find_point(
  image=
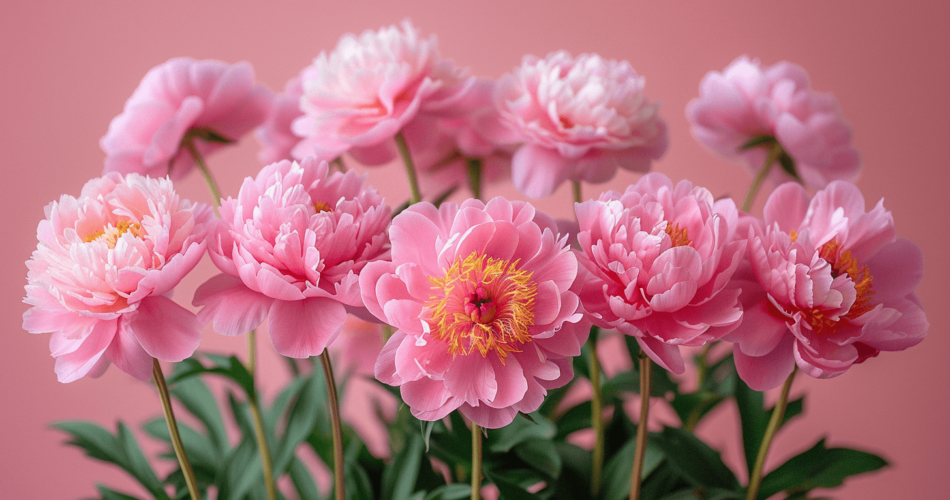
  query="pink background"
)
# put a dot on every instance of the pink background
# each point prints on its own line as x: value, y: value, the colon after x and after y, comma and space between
x: 69, y: 66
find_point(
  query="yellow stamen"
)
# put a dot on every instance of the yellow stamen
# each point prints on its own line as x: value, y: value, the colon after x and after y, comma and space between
x: 842, y: 261
x: 678, y: 235
x: 484, y: 304
x: 322, y: 207
x: 111, y: 234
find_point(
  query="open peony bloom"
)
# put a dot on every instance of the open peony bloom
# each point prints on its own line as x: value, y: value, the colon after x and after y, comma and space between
x: 655, y: 263
x: 276, y: 134
x: 358, y: 97
x: 206, y: 103
x: 442, y: 147
x: 579, y: 119
x: 774, y: 104
x: 291, y: 247
x: 826, y: 285
x: 480, y: 296
x: 100, y: 276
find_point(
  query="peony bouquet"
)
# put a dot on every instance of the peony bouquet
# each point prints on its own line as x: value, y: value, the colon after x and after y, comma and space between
x: 443, y: 350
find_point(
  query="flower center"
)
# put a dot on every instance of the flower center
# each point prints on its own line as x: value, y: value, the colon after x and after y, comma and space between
x: 320, y: 206
x: 483, y: 304
x: 111, y: 234
x: 842, y: 262
x: 678, y: 235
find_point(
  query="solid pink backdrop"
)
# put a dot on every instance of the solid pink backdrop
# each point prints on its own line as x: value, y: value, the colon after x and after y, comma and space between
x: 69, y: 67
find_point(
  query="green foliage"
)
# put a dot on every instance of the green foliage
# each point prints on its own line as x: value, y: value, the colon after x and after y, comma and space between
x: 819, y: 467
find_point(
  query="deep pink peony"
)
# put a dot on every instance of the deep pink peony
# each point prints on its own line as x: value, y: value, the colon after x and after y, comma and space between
x: 178, y: 100
x: 291, y: 247
x: 276, y: 134
x: 745, y: 102
x: 579, y: 119
x: 826, y: 285
x: 358, y: 97
x: 480, y: 296
x: 655, y: 263
x: 441, y: 147
x: 100, y: 277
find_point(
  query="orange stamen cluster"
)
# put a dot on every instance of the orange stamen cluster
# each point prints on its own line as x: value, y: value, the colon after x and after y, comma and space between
x: 678, y: 235
x: 483, y: 304
x: 320, y: 206
x: 843, y: 262
x: 111, y: 234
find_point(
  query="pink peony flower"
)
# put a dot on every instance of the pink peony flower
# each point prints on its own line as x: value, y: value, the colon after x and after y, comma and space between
x: 655, y: 263
x: 826, y: 285
x: 579, y: 119
x: 745, y: 102
x: 441, y: 147
x: 101, y: 274
x: 291, y: 247
x: 358, y: 97
x: 207, y: 102
x: 480, y: 296
x: 276, y: 134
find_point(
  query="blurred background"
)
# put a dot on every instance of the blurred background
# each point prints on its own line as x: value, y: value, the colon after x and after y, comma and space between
x: 68, y: 68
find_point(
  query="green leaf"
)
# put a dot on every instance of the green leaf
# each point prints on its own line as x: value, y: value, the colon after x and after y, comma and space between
x: 540, y: 454
x: 508, y: 489
x: 358, y: 485
x: 399, y: 477
x: 110, y: 494
x: 520, y: 430
x: 693, y: 406
x: 301, y: 420
x: 757, y: 141
x: 303, y: 482
x: 201, y: 452
x: 693, y: 459
x: 121, y: 450
x: 574, y: 419
x: 239, y: 472
x: 702, y: 493
x: 198, y: 400
x: 819, y: 467
x: 207, y: 135
x: 426, y: 430
x: 754, y: 421
x: 788, y: 166
x: 574, y: 481
x: 619, y: 469
x: 454, y: 491
x: 229, y: 367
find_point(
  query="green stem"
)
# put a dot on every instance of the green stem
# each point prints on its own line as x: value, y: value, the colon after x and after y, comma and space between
x: 266, y: 463
x: 209, y: 180
x: 474, y: 166
x: 774, y: 152
x: 641, y: 446
x: 476, y: 461
x: 410, y: 169
x: 173, y: 430
x: 338, y: 161
x: 338, y: 485
x: 577, y: 191
x: 778, y: 414
x: 596, y: 414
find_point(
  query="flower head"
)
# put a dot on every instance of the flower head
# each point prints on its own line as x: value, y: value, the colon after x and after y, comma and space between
x: 359, y: 96
x: 655, y: 263
x: 102, y: 268
x: 746, y: 109
x: 480, y: 296
x: 291, y: 247
x: 204, y: 103
x: 579, y: 119
x: 827, y: 285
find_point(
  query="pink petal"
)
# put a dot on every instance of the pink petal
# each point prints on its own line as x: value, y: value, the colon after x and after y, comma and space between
x: 537, y: 171
x: 232, y: 307
x: 304, y: 328
x: 81, y: 360
x: 665, y: 355
x: 128, y: 355
x: 762, y: 373
x: 165, y: 330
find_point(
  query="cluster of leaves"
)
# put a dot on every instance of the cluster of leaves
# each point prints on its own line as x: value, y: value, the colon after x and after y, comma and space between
x: 530, y: 459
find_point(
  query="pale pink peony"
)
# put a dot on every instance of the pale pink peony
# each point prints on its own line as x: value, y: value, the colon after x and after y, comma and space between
x: 480, y: 296
x: 826, y: 285
x: 180, y: 100
x: 441, y: 147
x: 655, y: 263
x: 291, y: 247
x: 276, y: 134
x: 100, y: 277
x: 746, y: 101
x: 358, y: 97
x: 579, y: 119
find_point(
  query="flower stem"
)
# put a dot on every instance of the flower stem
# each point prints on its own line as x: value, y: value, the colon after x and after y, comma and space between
x: 173, y: 430
x: 774, y: 152
x: 258, y: 419
x: 596, y: 414
x: 209, y: 180
x: 474, y: 166
x: 778, y: 414
x: 338, y: 161
x: 410, y: 169
x: 338, y: 485
x: 641, y: 446
x: 577, y: 191
x: 476, y: 461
